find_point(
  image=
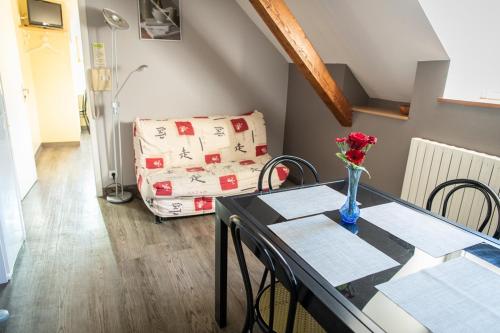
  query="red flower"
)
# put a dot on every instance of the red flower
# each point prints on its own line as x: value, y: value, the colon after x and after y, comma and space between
x: 355, y: 156
x: 341, y: 140
x: 357, y: 140
x: 372, y: 139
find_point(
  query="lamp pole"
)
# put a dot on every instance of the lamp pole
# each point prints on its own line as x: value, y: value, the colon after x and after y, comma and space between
x: 116, y: 22
x: 123, y: 196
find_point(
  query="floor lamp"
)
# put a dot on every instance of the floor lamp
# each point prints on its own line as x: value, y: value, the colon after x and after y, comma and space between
x: 117, y: 22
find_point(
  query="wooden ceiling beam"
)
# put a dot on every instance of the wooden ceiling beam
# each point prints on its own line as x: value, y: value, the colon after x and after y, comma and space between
x: 290, y: 35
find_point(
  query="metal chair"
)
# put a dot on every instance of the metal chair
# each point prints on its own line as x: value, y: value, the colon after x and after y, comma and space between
x: 294, y: 160
x: 489, y: 195
x: 83, y: 110
x: 276, y: 307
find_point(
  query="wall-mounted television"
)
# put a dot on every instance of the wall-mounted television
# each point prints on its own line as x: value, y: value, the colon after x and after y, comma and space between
x: 45, y: 14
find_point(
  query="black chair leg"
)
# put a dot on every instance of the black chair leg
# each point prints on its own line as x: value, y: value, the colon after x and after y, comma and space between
x: 252, y: 324
x: 159, y: 219
x: 263, y: 280
x: 248, y: 326
x: 87, y: 122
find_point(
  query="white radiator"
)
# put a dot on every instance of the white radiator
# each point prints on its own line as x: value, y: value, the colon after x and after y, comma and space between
x: 431, y: 163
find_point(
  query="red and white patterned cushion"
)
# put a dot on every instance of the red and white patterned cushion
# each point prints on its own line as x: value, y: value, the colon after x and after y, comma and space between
x: 212, y: 180
x: 215, y: 139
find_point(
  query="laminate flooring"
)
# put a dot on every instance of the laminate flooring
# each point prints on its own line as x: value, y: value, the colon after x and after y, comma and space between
x: 90, y: 266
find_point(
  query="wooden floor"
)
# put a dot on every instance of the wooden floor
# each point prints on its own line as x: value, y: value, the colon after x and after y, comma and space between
x: 89, y: 266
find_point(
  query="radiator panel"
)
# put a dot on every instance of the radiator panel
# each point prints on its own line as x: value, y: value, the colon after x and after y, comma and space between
x: 431, y: 163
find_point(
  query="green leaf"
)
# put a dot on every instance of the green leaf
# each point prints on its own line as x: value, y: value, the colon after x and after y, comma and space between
x: 349, y: 163
x: 363, y: 169
x: 343, y: 158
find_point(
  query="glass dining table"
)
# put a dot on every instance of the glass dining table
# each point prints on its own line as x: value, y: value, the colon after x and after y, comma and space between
x: 356, y: 305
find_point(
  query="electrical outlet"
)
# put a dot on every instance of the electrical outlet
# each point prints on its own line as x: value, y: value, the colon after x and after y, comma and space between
x: 112, y: 174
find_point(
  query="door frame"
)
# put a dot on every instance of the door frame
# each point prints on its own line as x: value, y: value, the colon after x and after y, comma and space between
x: 87, y: 61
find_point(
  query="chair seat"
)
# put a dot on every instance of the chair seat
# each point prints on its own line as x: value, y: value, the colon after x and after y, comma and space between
x: 304, y: 322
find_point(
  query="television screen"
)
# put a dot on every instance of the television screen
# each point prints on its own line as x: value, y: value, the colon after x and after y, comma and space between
x: 45, y: 14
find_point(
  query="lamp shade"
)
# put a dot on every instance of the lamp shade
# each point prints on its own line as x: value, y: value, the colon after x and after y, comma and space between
x: 115, y: 20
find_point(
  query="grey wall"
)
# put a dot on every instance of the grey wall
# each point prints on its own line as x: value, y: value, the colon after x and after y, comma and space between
x: 310, y: 128
x: 223, y: 65
x: 347, y: 82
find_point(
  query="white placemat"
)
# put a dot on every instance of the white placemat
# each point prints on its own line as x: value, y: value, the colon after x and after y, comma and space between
x: 457, y: 296
x: 305, y: 201
x: 334, y: 252
x: 423, y: 231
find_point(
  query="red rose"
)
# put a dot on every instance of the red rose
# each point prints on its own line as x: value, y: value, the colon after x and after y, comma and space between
x: 357, y: 140
x: 372, y: 140
x: 355, y: 156
x: 341, y: 140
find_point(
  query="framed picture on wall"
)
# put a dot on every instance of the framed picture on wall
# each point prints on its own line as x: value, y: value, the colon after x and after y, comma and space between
x: 160, y: 19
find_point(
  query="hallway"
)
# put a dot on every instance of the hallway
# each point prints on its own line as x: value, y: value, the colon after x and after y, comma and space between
x: 90, y: 266
x: 66, y: 278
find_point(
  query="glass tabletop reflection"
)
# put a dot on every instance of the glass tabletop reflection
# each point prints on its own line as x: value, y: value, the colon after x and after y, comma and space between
x: 362, y: 293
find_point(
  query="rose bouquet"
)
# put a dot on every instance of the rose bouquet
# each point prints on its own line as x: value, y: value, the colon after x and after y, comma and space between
x: 353, y: 149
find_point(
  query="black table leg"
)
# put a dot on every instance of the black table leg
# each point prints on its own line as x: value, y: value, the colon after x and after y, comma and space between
x: 220, y: 272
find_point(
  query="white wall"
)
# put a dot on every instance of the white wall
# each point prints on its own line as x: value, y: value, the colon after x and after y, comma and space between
x: 17, y: 115
x: 469, y: 31
x: 223, y: 65
x: 381, y: 41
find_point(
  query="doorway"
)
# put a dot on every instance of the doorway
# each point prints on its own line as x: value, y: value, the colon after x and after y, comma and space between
x: 53, y: 75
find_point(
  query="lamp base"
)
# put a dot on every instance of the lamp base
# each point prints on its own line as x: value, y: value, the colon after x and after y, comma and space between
x: 119, y: 198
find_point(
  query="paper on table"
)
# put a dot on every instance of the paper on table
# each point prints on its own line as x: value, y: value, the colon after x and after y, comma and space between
x: 457, y: 296
x: 334, y: 252
x: 305, y: 201
x: 423, y: 231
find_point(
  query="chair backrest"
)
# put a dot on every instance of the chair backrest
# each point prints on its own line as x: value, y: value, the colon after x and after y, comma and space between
x: 199, y: 141
x: 293, y: 160
x: 274, y: 263
x: 82, y: 102
x: 490, y: 198
x: 430, y: 163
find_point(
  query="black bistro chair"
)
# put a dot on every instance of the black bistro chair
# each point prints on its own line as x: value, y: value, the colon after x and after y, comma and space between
x: 490, y: 198
x: 289, y: 159
x: 83, y: 110
x: 276, y: 307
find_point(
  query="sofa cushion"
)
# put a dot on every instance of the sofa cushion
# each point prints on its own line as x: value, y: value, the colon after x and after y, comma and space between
x: 182, y: 206
x: 165, y: 144
x: 208, y: 180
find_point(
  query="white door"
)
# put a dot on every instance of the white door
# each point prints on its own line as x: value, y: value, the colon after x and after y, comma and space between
x: 12, y: 232
x: 19, y: 126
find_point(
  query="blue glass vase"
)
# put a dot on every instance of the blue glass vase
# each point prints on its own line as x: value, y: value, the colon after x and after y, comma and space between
x: 349, y: 212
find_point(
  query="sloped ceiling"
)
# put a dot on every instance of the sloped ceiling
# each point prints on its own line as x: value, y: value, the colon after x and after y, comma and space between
x: 381, y: 41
